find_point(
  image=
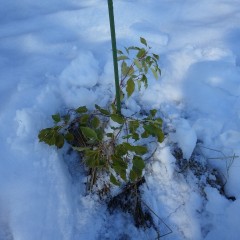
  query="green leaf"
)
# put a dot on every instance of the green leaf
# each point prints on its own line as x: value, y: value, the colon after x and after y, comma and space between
x: 154, y: 73
x: 151, y: 129
x: 144, y: 80
x: 66, y: 118
x: 160, y: 136
x: 145, y: 134
x: 137, y: 149
x: 121, y: 95
x: 89, y: 133
x: 127, y: 136
x: 56, y: 118
x: 120, y: 167
x: 133, y: 176
x: 122, y: 57
x: 154, y: 131
x: 47, y: 135
x: 135, y: 136
x: 44, y: 134
x: 69, y: 137
x: 153, y: 112
x: 138, y: 165
x: 137, y: 63
x: 82, y: 109
x: 117, y: 118
x: 118, y: 161
x: 124, y: 68
x: 130, y: 87
x: 141, y: 150
x: 133, y: 126
x: 119, y: 52
x: 130, y: 71
x: 143, y: 41
x: 110, y: 135
x: 114, y: 181
x: 159, y: 121
x: 141, y: 53
x: 92, y: 159
x: 114, y: 109
x: 121, y: 150
x: 84, y: 119
x: 156, y: 56
x: 101, y: 110
x: 99, y: 133
x: 59, y: 140
x: 95, y: 122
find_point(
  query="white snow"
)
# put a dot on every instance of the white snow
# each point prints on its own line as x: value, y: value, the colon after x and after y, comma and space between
x: 56, y: 55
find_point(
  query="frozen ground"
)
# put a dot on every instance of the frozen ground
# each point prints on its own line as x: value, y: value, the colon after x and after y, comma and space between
x: 57, y: 54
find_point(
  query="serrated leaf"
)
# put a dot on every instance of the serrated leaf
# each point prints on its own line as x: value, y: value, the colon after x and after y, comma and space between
x: 69, y: 137
x: 117, y: 118
x: 82, y: 109
x: 143, y: 41
x: 154, y: 73
x: 101, y: 110
x: 130, y: 87
x: 59, y: 140
x: 89, y: 133
x: 56, y: 118
x: 114, y: 181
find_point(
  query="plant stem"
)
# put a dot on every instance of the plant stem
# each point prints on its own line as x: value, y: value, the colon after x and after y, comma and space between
x: 114, y: 50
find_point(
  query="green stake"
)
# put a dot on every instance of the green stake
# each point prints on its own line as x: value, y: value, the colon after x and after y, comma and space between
x: 114, y: 50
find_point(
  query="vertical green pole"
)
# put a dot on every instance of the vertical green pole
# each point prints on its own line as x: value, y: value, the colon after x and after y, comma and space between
x: 114, y: 50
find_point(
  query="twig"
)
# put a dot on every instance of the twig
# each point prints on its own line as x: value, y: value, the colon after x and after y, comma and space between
x: 170, y: 230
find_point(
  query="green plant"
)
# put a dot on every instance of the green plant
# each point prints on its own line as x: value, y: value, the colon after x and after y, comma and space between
x: 110, y: 144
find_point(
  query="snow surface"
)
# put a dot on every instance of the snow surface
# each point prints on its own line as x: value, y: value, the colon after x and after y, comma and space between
x: 57, y: 55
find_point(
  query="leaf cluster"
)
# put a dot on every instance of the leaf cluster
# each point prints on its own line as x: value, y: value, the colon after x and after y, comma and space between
x: 136, y: 62
x: 106, y: 140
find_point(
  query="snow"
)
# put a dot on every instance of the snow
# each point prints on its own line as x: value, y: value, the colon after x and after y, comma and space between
x: 56, y: 55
